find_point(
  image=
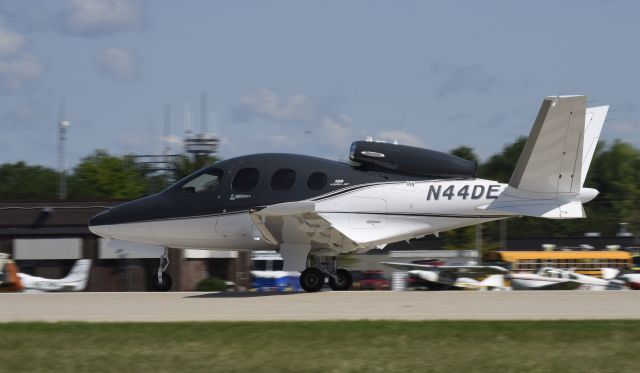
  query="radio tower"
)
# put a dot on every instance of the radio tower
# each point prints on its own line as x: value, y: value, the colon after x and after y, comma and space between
x: 203, y: 144
x: 63, y: 125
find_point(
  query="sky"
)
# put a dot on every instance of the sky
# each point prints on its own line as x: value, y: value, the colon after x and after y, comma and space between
x: 306, y: 77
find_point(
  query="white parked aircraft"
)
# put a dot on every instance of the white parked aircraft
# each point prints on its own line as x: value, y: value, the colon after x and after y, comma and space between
x: 76, y: 280
x: 492, y: 282
x: 311, y: 209
x: 439, y: 277
x: 547, y: 278
x: 632, y: 280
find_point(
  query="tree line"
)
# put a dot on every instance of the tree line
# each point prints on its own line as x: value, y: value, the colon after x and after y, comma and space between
x: 615, y: 172
x: 99, y: 175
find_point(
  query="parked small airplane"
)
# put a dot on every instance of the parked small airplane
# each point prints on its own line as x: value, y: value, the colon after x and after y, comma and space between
x: 311, y: 209
x: 76, y: 280
x: 491, y: 282
x: 632, y: 280
x: 547, y: 278
x: 444, y: 277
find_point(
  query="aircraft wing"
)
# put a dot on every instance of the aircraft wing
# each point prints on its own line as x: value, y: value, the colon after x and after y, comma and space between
x: 488, y: 270
x: 299, y: 222
x: 535, y: 284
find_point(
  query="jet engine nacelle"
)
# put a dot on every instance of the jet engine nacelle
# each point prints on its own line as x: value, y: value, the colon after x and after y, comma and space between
x: 411, y: 160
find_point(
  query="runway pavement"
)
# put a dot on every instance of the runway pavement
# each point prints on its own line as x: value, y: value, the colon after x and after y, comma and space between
x: 460, y: 305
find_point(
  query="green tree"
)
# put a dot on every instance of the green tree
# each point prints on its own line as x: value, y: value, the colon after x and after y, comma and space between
x: 465, y: 152
x: 19, y: 181
x: 104, y: 176
x: 615, y: 172
x: 500, y: 166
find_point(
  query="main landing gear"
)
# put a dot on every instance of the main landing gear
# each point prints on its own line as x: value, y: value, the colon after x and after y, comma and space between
x: 162, y: 281
x: 312, y: 278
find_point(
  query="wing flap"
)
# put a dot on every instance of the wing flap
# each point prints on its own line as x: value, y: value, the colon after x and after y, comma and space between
x: 298, y: 222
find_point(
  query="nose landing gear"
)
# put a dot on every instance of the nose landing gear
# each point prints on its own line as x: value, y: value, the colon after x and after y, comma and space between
x: 162, y: 281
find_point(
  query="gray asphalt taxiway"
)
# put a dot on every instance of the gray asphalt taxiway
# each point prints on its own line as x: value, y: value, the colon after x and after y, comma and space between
x: 368, y: 305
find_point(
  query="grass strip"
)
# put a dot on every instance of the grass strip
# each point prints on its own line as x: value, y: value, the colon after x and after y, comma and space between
x: 322, y: 346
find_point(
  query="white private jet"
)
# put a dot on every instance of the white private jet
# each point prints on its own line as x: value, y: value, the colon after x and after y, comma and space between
x: 548, y: 278
x: 311, y: 209
x: 76, y: 280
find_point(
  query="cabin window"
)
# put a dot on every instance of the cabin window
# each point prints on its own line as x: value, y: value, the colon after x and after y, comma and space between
x: 205, y: 182
x: 283, y: 179
x: 245, y: 180
x: 317, y: 181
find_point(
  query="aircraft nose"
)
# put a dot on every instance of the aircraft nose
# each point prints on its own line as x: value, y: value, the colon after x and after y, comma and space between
x: 100, y: 224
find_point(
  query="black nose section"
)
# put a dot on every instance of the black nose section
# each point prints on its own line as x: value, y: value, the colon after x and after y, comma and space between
x: 100, y: 219
x: 100, y: 224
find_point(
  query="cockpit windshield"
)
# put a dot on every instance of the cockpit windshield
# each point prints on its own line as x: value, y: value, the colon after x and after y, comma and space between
x: 205, y: 182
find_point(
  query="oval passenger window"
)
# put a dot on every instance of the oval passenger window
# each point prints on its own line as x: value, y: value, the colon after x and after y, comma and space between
x: 283, y: 179
x: 245, y: 180
x: 317, y: 181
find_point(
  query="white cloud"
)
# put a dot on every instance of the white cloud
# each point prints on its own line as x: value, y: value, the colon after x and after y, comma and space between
x: 17, y: 73
x: 335, y: 132
x: 327, y: 127
x: 18, y: 68
x: 403, y: 138
x: 264, y: 103
x: 10, y: 42
x: 118, y: 63
x: 103, y: 17
x: 172, y: 139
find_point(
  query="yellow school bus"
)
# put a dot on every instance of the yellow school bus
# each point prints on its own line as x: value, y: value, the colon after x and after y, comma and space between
x: 585, y: 262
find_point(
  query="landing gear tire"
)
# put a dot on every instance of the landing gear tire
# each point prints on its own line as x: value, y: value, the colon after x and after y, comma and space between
x: 156, y: 285
x: 343, y: 282
x: 311, y: 280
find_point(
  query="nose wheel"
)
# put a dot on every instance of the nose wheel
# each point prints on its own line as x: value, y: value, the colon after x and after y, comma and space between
x: 162, y: 281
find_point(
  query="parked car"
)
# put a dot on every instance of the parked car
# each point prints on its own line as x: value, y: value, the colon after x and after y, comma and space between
x: 372, y: 280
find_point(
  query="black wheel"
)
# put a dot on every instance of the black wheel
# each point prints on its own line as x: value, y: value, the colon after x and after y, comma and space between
x: 311, y: 280
x: 166, y: 282
x: 343, y: 282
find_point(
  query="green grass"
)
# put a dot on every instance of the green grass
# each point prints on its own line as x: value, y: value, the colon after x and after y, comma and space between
x: 340, y: 346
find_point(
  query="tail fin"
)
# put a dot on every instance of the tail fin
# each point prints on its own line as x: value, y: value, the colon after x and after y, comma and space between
x: 551, y: 159
x: 493, y: 282
x: 79, y: 271
x: 549, y: 176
